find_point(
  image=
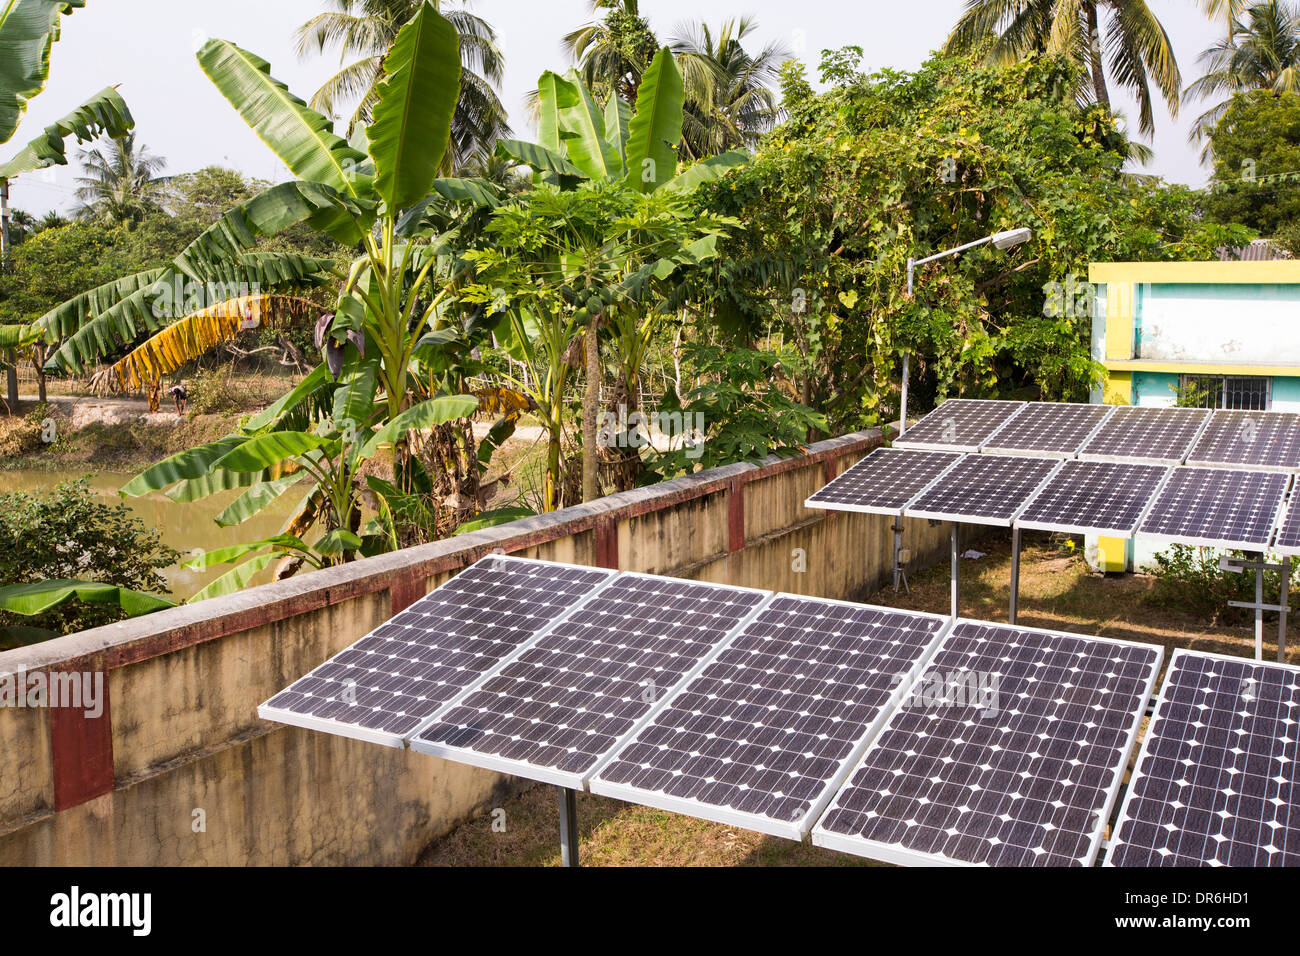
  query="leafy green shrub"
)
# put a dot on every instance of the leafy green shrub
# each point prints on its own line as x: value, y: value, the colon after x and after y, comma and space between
x: 69, y: 534
x: 1189, y: 579
x: 745, y: 415
x: 211, y: 391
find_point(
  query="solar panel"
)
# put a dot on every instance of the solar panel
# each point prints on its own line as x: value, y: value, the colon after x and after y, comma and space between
x: 1216, y: 782
x: 884, y: 481
x: 1094, y: 497
x: 983, y: 489
x: 1250, y: 440
x: 1009, y: 751
x: 1162, y: 436
x: 1054, y: 429
x: 1288, y: 532
x: 568, y: 699
x: 766, y: 732
x: 959, y: 424
x: 385, y: 685
x: 1217, y: 507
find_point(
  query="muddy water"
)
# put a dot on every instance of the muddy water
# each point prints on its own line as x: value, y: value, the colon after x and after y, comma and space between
x: 186, y: 525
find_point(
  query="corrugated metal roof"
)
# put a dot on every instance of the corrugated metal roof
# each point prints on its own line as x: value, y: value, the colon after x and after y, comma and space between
x: 1261, y: 250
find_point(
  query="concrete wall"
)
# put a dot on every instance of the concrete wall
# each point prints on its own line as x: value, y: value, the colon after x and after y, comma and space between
x: 178, y: 769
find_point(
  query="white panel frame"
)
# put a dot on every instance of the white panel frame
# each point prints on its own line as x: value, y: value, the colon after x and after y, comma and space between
x: 1137, y: 774
x: 397, y: 741
x: 560, y: 778
x: 792, y: 830
x: 892, y: 853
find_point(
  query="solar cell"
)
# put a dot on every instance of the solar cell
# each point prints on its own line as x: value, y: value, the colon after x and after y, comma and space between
x: 983, y: 489
x: 1162, y: 436
x: 1094, y: 497
x: 766, y: 732
x: 884, y: 481
x: 1009, y: 751
x: 1217, y: 507
x: 959, y: 424
x: 1269, y: 440
x: 1288, y: 532
x: 1054, y: 429
x: 1216, y: 780
x: 569, y: 698
x: 385, y: 685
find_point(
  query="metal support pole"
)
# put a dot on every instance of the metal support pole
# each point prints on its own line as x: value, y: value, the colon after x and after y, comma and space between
x: 907, y: 356
x: 568, y: 826
x: 1281, y: 619
x: 1014, y: 610
x: 898, y: 547
x: 956, y: 570
x: 1259, y: 609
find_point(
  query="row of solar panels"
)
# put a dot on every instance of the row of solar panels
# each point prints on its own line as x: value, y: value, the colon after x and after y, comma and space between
x: 1215, y: 507
x: 898, y: 736
x: 1164, y: 436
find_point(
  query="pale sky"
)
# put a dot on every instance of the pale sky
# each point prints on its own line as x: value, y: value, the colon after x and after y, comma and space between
x: 147, y: 46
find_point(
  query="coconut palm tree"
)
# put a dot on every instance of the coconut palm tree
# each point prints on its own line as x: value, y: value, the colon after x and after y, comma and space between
x: 365, y: 29
x: 730, y: 101
x: 1131, y: 46
x: 121, y: 181
x: 612, y: 53
x: 1261, y: 52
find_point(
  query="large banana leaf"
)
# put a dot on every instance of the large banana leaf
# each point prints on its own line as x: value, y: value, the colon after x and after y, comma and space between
x: 318, y: 377
x: 436, y: 411
x: 539, y: 157
x: 550, y: 89
x: 300, y: 136
x: 255, y: 499
x: 707, y: 170
x: 219, y: 250
x: 105, y: 113
x: 237, y: 578
x: 187, y: 339
x: 617, y: 115
x: 656, y: 128
x: 20, y: 336
x: 64, y: 320
x: 263, y: 451
x: 354, y: 399
x: 191, y: 463
x: 582, y: 127
x: 28, y: 29
x: 412, y: 118
x: 37, y: 597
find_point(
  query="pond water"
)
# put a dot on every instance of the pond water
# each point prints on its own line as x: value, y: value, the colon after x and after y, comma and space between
x: 186, y: 525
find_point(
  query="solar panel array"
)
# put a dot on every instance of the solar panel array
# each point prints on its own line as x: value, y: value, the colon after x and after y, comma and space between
x: 1162, y: 436
x: 1217, y: 507
x: 1009, y: 752
x: 959, y: 424
x: 1250, y: 440
x: 765, y: 733
x: 386, y: 684
x: 884, y: 481
x: 559, y: 707
x: 1048, y: 428
x: 985, y: 489
x: 1099, y: 497
x: 1216, y: 782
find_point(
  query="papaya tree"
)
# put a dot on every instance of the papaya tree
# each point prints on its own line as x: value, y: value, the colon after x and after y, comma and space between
x: 581, y: 148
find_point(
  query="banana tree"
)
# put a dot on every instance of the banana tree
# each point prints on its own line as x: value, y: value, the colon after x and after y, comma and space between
x: 374, y: 389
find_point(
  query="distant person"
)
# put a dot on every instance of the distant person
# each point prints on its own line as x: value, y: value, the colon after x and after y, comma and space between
x: 179, y: 396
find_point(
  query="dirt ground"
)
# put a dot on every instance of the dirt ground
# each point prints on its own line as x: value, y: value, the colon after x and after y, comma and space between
x: 1057, y: 591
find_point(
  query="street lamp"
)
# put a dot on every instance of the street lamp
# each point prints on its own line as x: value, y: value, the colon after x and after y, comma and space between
x: 1001, y: 241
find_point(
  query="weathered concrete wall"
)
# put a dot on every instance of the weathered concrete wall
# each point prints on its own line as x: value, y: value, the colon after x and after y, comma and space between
x: 178, y: 769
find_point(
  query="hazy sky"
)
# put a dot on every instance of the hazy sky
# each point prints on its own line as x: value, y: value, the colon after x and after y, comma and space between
x: 147, y: 46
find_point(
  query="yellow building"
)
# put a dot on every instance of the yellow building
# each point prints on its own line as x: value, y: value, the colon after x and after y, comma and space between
x: 1217, y: 334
